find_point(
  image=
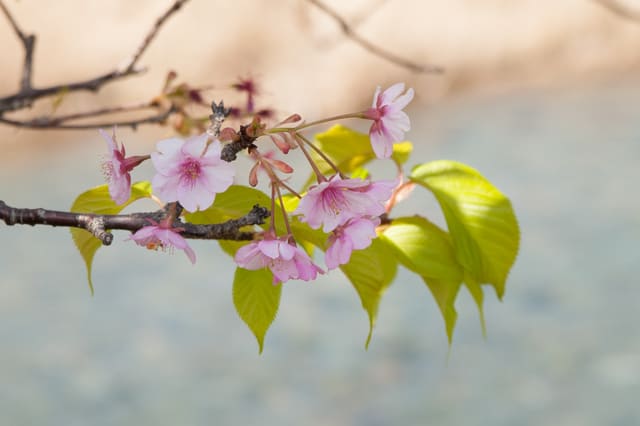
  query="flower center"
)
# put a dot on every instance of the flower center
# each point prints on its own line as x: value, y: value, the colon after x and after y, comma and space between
x: 190, y: 169
x: 154, y: 245
x: 107, y: 170
x: 334, y: 201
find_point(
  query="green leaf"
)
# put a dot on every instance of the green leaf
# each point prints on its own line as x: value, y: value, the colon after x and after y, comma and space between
x: 348, y: 149
x: 235, y: 202
x: 425, y: 249
x: 481, y: 221
x: 476, y: 292
x: 256, y: 299
x: 371, y: 271
x: 97, y: 200
x: 231, y: 247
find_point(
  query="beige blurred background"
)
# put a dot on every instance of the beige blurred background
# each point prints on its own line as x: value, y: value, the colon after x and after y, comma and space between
x: 302, y: 60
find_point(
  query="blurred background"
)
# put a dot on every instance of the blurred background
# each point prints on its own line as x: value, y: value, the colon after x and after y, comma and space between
x: 540, y: 98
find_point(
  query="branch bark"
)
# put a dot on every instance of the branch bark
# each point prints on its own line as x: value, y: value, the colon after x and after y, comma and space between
x: 372, y: 48
x: 27, y: 94
x: 621, y: 9
x: 101, y: 225
x: 58, y: 123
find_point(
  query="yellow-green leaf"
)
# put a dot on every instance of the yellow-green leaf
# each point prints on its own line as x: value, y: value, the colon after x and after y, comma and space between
x: 256, y: 300
x: 475, y: 289
x: 425, y: 249
x: 371, y: 271
x: 481, y: 221
x: 235, y: 202
x: 97, y: 200
x: 348, y: 149
x: 231, y: 247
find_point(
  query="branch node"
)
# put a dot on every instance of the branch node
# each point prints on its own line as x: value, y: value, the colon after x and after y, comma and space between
x: 95, y: 225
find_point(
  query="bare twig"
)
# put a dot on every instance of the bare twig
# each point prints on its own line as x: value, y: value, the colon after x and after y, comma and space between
x: 56, y: 124
x: 621, y: 9
x: 52, y: 122
x: 177, y: 4
x: 372, y: 48
x: 94, y: 113
x: 28, y: 43
x: 100, y: 225
x: 25, y: 97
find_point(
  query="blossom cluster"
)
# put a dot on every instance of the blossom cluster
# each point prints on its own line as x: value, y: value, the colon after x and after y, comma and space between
x: 191, y: 171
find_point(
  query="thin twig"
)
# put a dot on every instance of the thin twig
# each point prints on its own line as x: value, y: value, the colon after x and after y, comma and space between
x: 25, y: 97
x: 152, y: 33
x: 28, y: 43
x: 621, y: 9
x: 44, y: 123
x: 372, y: 48
x: 101, y: 225
x: 52, y: 121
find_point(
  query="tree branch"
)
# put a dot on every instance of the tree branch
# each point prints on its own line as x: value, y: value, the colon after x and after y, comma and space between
x: 372, y: 48
x: 101, y: 225
x: 621, y: 9
x: 25, y: 97
x: 177, y: 4
x: 59, y: 122
x: 28, y: 43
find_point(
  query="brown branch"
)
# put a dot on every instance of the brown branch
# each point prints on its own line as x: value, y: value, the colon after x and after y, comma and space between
x: 372, y: 48
x: 56, y: 124
x: 244, y: 141
x: 25, y: 97
x: 60, y: 119
x: 621, y: 9
x: 177, y: 4
x: 101, y: 225
x: 28, y: 43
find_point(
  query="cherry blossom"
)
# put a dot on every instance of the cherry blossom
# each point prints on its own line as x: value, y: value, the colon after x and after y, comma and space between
x: 285, y: 260
x: 162, y: 236
x: 389, y: 121
x: 116, y: 168
x: 332, y: 203
x: 356, y: 234
x: 190, y: 172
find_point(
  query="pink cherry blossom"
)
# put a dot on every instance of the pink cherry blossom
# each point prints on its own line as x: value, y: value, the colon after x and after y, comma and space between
x: 284, y: 259
x: 116, y: 169
x: 353, y: 235
x: 332, y: 203
x: 163, y: 237
x: 389, y: 121
x: 190, y: 172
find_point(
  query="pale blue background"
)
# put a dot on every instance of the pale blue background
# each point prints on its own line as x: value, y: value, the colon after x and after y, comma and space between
x: 160, y: 343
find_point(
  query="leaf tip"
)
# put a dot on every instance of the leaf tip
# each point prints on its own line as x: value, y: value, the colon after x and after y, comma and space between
x: 366, y: 344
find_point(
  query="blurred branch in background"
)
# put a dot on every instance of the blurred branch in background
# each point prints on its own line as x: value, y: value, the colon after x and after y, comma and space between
x: 372, y: 48
x: 27, y: 94
x: 621, y: 8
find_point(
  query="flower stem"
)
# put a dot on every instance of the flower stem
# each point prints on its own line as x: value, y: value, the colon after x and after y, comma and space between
x: 272, y: 225
x: 321, y: 154
x: 312, y: 163
x: 329, y: 119
x: 285, y: 216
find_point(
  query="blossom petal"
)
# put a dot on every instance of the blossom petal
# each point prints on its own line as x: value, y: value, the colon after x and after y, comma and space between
x: 165, y: 187
x: 194, y: 146
x: 250, y: 257
x: 270, y: 248
x: 111, y: 144
x: 391, y: 93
